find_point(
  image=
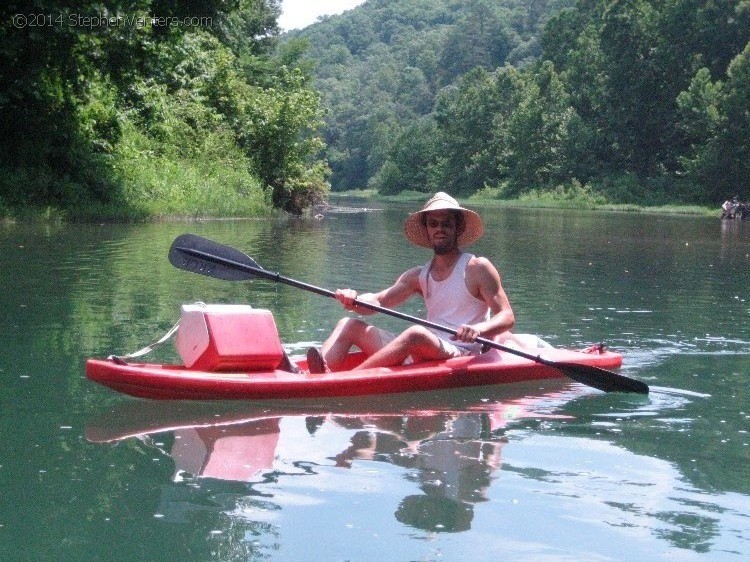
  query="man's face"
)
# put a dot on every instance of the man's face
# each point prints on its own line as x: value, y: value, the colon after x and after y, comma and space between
x: 441, y: 231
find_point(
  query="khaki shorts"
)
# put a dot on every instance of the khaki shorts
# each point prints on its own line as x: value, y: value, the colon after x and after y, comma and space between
x: 448, y: 347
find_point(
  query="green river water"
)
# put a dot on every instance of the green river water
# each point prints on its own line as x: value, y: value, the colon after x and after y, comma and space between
x: 546, y: 471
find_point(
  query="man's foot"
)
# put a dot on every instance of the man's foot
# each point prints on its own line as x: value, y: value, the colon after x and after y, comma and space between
x: 315, y: 362
x: 287, y: 365
x: 597, y: 348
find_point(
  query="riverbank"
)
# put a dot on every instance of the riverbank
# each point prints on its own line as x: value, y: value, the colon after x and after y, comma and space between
x: 542, y: 200
x: 256, y: 207
x: 119, y: 214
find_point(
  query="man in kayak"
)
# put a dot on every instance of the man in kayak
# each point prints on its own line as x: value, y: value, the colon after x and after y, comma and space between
x: 461, y: 291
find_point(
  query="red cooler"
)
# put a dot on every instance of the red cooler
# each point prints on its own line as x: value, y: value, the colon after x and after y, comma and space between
x: 224, y: 337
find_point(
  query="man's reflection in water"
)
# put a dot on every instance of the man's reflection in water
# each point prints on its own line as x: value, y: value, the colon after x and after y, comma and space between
x: 453, y: 457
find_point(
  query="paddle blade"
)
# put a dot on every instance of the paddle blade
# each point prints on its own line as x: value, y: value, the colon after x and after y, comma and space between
x: 595, y: 377
x: 206, y: 257
x: 600, y: 379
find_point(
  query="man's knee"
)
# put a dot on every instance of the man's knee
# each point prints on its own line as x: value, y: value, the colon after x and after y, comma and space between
x: 351, y: 325
x: 417, y: 335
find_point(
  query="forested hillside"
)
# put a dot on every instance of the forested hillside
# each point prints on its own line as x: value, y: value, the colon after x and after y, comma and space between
x: 629, y: 100
x: 154, y: 107
x: 380, y: 67
x: 161, y: 107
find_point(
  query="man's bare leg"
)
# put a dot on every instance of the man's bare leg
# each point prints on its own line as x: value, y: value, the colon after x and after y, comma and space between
x: 417, y: 342
x: 350, y: 332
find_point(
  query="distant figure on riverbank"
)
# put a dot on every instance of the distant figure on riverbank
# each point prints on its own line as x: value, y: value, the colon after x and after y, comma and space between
x: 735, y: 209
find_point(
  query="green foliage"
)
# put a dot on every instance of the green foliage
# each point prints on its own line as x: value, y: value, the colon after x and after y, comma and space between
x: 645, y: 78
x: 480, y: 38
x: 716, y: 119
x: 199, y: 95
x: 409, y: 161
x: 572, y: 196
x: 470, y: 118
x: 216, y: 182
x: 645, y: 99
x: 383, y: 66
x: 537, y: 133
x: 276, y: 126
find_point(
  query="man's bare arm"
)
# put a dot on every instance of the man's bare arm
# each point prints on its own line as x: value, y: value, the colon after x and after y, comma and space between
x: 406, y: 286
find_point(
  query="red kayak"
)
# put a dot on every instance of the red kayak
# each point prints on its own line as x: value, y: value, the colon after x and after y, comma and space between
x: 233, y: 352
x: 177, y: 382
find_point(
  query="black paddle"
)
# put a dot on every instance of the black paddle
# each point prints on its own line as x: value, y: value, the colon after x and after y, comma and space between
x: 199, y: 255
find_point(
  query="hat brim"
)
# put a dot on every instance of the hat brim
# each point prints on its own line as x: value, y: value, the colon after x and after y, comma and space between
x: 416, y: 232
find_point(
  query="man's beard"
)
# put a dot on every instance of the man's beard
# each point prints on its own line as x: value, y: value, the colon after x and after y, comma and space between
x: 444, y: 247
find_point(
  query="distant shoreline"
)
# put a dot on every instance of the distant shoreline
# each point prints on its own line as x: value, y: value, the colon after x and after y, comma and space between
x: 544, y: 201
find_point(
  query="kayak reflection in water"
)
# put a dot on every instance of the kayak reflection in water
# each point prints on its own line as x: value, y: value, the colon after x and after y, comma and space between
x: 448, y: 445
x: 460, y: 290
x: 450, y: 456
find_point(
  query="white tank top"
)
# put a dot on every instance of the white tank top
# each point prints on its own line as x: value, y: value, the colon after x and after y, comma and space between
x: 449, y: 303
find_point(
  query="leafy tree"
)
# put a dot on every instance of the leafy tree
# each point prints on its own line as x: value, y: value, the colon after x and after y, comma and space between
x: 625, y: 64
x: 74, y: 78
x: 716, y: 118
x: 539, y: 136
x: 465, y: 115
x: 410, y: 160
x: 413, y: 91
x: 636, y: 110
x: 478, y: 39
x: 604, y: 92
x: 381, y: 67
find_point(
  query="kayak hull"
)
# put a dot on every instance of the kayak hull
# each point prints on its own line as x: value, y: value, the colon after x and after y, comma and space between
x: 175, y: 382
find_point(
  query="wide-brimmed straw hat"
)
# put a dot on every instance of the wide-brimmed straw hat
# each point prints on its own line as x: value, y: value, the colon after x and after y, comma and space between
x: 415, y: 231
